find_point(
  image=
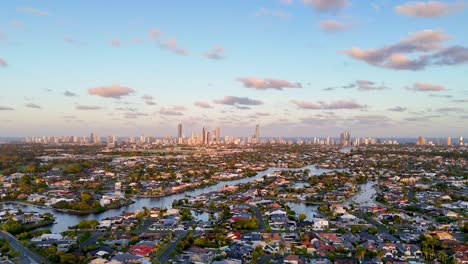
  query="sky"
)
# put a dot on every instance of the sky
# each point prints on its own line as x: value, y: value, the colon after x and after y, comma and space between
x: 380, y: 68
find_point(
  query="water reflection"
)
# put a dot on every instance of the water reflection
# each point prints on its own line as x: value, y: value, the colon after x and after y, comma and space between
x: 64, y: 220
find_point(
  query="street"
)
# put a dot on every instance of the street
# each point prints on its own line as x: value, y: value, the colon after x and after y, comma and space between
x: 26, y: 255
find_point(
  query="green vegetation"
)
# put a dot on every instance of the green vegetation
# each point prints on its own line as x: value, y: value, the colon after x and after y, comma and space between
x: 13, y: 227
x: 88, y: 224
x: 246, y: 224
x: 5, y: 249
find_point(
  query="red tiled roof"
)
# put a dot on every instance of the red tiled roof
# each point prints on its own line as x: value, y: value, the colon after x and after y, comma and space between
x: 141, y: 250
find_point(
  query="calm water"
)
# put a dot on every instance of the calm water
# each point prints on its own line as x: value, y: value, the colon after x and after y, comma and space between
x: 301, y: 208
x: 366, y: 196
x: 64, y: 220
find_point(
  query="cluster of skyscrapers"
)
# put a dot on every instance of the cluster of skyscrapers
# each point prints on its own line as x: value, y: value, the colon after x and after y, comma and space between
x: 448, y: 141
x: 213, y: 137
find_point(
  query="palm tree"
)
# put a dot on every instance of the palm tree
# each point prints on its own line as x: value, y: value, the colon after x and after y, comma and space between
x: 442, y: 256
x: 380, y: 254
x: 360, y: 253
x: 282, y: 248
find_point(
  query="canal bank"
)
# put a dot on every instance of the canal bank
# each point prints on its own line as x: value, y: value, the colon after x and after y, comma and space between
x: 64, y: 219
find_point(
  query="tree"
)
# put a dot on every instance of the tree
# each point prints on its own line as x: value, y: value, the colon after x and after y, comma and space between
x: 88, y: 224
x: 442, y: 256
x: 282, y: 248
x: 13, y: 227
x: 86, y: 197
x: 360, y: 252
x: 373, y: 230
x: 380, y: 254
x: 73, y: 168
x: 302, y: 217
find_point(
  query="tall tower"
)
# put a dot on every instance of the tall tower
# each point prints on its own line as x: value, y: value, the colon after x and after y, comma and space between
x: 421, y: 141
x: 218, y: 135
x: 345, y: 139
x: 204, y: 135
x: 179, y: 131
x: 449, y: 141
x: 257, y: 133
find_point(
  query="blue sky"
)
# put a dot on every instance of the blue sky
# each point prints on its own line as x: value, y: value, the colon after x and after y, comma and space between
x: 288, y: 65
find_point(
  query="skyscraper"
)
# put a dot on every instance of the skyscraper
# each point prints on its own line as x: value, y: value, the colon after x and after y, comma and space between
x: 421, y: 141
x: 179, y: 131
x: 257, y: 133
x: 204, y: 135
x: 449, y: 141
x: 345, y: 139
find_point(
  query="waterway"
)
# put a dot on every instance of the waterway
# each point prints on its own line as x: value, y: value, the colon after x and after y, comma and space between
x: 366, y: 197
x: 64, y: 220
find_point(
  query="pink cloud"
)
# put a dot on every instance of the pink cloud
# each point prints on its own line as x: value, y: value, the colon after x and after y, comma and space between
x: 71, y: 41
x: 429, y: 9
x: 326, y: 5
x: 339, y: 104
x: 172, y: 111
x: 171, y: 44
x: 365, y: 85
x: 427, y: 43
x: 426, y: 87
x: 115, y: 43
x: 272, y: 13
x: 112, y: 91
x: 17, y: 24
x: 202, y: 104
x: 147, y: 97
x: 88, y: 107
x: 33, y: 11
x: 267, y: 83
x: 236, y: 101
x: 215, y: 53
x: 179, y: 108
x: 154, y: 33
x: 3, y: 63
x: 333, y: 26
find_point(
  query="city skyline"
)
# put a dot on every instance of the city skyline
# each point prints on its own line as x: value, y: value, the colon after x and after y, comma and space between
x: 298, y: 68
x: 215, y: 137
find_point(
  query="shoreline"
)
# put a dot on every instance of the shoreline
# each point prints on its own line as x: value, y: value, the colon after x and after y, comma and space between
x: 70, y: 211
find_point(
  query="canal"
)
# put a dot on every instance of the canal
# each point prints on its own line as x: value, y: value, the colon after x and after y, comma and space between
x: 64, y: 220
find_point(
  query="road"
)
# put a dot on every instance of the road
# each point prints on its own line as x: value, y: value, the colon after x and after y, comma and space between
x: 166, y: 253
x: 259, y: 216
x: 26, y: 255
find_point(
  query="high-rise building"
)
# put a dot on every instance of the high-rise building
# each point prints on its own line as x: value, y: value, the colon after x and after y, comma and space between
x: 179, y: 131
x: 345, y: 139
x: 421, y: 141
x: 208, y: 137
x: 449, y: 141
x: 204, y: 135
x: 218, y: 135
x: 257, y: 133
x: 460, y: 140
